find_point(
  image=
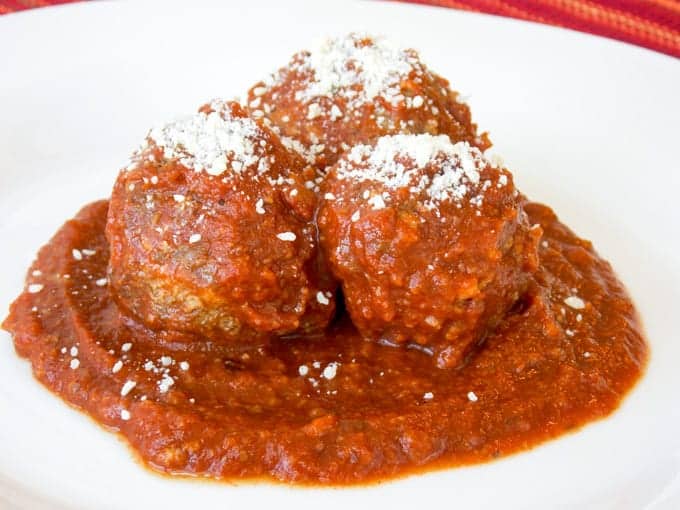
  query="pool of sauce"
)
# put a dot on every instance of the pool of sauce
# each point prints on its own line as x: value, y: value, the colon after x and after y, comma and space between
x: 330, y: 409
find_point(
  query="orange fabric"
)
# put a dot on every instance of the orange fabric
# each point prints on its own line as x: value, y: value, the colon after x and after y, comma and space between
x: 654, y: 24
x: 7, y: 6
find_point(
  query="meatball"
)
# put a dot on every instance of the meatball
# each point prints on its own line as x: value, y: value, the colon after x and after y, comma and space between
x: 211, y: 232
x: 429, y: 241
x: 354, y: 89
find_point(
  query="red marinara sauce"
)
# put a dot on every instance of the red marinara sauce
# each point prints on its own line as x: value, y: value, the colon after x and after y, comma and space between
x: 330, y: 408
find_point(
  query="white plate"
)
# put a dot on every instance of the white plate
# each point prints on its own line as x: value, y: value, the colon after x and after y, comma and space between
x: 589, y: 126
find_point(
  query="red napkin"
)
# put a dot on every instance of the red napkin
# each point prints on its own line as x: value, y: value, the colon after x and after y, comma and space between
x: 654, y: 24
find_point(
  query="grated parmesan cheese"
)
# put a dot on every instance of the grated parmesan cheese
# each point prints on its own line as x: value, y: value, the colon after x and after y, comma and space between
x: 314, y: 111
x: 287, y: 236
x: 206, y: 141
x: 397, y: 162
x: 336, y: 113
x: 127, y: 388
x: 330, y: 371
x: 259, y: 206
x: 575, y: 302
x: 377, y: 202
x: 165, y: 383
x: 358, y: 67
x: 321, y: 298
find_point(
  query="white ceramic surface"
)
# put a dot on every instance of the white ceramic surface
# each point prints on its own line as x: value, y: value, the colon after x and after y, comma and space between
x: 589, y: 126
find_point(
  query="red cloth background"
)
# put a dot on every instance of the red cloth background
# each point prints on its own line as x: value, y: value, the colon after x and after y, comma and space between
x: 654, y: 24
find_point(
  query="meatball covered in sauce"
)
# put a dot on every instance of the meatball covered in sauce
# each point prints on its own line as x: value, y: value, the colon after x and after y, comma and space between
x: 429, y: 240
x: 354, y: 89
x: 211, y: 232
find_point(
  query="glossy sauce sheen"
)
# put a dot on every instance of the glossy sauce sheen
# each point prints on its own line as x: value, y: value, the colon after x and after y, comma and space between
x: 358, y: 411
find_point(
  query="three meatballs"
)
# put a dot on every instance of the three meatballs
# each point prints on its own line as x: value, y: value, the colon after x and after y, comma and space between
x: 354, y: 165
x: 429, y: 240
x: 354, y: 89
x: 211, y: 232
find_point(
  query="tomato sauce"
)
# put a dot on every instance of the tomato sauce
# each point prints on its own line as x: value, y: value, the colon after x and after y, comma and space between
x: 329, y: 408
